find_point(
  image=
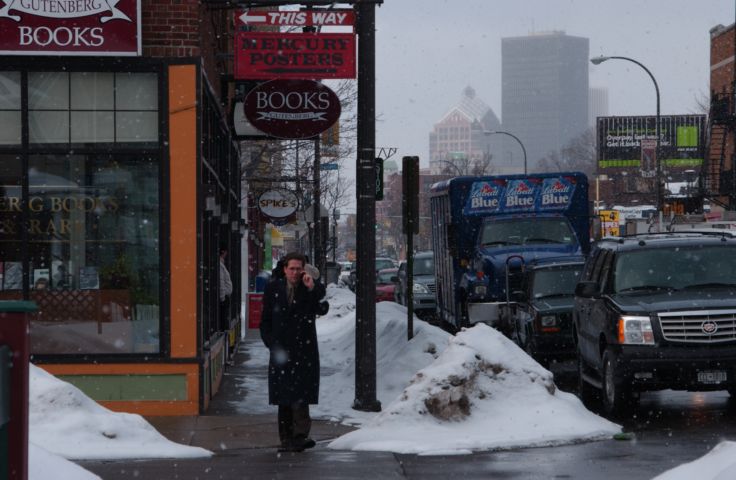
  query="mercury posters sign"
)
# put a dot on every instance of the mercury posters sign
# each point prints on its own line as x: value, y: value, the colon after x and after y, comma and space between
x: 70, y: 27
x: 267, y: 55
x: 682, y: 141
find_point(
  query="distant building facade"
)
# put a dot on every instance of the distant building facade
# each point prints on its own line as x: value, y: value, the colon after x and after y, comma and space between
x: 597, y: 104
x: 544, y: 91
x: 458, y: 144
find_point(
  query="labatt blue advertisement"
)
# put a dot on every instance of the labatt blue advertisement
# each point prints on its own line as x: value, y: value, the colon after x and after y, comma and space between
x: 519, y: 195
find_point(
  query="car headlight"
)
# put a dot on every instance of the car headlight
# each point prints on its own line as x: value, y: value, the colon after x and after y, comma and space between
x: 635, y: 330
x: 479, y: 290
x: 420, y: 288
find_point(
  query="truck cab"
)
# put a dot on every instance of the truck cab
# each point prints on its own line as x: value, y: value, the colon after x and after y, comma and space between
x: 487, y: 229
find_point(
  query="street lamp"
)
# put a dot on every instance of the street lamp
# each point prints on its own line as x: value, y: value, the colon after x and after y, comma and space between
x: 658, y: 169
x: 494, y: 132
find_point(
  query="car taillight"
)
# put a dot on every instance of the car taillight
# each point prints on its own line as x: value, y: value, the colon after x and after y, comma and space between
x: 549, y: 324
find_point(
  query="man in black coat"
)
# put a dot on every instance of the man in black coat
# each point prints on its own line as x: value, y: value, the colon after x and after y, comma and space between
x: 290, y: 307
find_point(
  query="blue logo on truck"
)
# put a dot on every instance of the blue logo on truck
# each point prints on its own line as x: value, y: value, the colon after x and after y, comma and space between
x: 485, y: 197
x: 520, y: 196
x: 556, y: 194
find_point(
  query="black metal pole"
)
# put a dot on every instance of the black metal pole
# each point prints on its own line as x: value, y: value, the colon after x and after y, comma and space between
x: 319, y: 256
x: 365, y: 290
x: 410, y: 284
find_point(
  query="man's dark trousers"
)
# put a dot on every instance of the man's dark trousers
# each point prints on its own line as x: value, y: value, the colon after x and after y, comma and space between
x: 294, y: 423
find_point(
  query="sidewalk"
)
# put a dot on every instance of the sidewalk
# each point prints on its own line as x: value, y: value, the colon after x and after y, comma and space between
x: 245, y: 444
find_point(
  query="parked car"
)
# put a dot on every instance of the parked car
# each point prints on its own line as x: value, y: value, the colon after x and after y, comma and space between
x: 386, y: 284
x: 425, y: 302
x: 381, y: 263
x: 346, y: 268
x: 655, y: 312
x: 543, y: 313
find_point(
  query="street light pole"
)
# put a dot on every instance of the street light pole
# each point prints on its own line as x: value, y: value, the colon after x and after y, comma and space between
x: 658, y: 168
x: 493, y: 132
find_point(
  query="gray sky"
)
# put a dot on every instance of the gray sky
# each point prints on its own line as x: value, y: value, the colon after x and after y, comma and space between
x: 427, y: 51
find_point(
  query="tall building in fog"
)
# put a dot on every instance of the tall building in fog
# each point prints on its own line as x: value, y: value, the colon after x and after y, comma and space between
x: 597, y: 104
x: 544, y: 91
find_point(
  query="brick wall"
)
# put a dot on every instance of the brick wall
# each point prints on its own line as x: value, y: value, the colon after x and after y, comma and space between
x: 721, y: 57
x: 722, y: 76
x: 186, y: 29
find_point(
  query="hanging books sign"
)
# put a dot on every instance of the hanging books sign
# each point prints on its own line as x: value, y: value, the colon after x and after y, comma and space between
x: 292, y: 109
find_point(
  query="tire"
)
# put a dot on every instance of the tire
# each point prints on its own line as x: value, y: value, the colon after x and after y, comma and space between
x: 616, y: 394
x: 464, y: 318
x: 586, y: 392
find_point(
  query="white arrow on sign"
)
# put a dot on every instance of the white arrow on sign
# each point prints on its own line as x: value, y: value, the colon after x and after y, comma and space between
x: 246, y: 18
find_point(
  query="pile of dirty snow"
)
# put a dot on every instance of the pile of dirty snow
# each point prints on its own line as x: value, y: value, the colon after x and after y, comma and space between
x: 483, y: 392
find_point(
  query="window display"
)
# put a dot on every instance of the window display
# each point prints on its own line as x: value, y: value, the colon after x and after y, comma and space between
x: 81, y: 237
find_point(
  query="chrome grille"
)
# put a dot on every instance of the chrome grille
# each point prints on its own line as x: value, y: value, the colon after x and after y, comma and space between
x: 688, y: 326
x: 432, y: 287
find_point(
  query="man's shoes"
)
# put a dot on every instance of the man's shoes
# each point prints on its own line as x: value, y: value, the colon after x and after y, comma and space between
x: 297, y: 445
x: 290, y: 447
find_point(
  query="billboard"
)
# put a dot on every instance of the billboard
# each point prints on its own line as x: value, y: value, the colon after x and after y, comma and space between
x: 624, y: 141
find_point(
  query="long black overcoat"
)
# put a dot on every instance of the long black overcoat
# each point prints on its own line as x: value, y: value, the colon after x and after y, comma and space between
x: 290, y: 333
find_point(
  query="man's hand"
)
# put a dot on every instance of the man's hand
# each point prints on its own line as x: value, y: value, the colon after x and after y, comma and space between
x: 308, y: 281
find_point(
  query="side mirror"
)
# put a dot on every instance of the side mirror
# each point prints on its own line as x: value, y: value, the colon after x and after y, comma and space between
x: 586, y: 289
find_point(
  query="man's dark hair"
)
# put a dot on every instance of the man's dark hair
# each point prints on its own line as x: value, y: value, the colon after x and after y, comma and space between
x: 294, y: 256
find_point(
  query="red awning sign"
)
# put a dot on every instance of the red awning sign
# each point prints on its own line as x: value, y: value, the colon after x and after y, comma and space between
x: 298, y: 18
x: 267, y: 55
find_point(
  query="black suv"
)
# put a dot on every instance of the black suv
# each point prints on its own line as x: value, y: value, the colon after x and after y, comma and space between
x: 656, y: 311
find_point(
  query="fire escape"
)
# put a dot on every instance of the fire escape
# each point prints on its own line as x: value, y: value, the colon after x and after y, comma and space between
x: 718, y: 176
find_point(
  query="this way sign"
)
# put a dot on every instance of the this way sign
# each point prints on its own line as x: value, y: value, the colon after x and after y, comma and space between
x: 301, y: 18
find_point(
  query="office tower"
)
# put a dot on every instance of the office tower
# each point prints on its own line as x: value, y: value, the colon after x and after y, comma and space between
x: 544, y: 91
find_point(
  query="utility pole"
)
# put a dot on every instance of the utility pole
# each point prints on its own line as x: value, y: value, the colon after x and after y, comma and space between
x: 365, y: 311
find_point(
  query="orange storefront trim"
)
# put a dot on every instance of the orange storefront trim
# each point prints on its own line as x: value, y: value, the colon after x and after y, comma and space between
x: 190, y: 406
x: 183, y: 217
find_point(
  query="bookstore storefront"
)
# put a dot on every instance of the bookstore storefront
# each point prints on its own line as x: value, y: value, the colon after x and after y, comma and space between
x: 80, y: 207
x: 85, y: 221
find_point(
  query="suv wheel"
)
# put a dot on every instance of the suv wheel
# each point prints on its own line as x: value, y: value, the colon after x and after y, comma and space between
x: 587, y: 393
x: 532, y: 352
x: 616, y: 394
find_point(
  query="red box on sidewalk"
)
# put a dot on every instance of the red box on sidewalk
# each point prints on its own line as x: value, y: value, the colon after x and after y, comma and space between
x: 255, y: 309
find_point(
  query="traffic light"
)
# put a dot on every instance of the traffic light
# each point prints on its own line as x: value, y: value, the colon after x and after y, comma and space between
x: 410, y: 194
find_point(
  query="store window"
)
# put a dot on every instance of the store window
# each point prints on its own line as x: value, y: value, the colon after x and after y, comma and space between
x: 81, y: 237
x: 10, y: 105
x: 81, y: 108
x: 94, y: 254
